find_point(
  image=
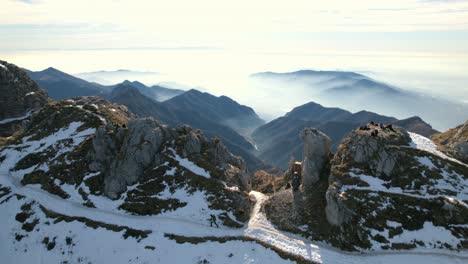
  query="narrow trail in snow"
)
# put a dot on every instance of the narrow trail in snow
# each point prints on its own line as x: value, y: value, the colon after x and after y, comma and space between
x: 259, y: 227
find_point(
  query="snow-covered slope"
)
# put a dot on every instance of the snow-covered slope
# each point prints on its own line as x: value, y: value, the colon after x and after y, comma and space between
x: 54, y: 208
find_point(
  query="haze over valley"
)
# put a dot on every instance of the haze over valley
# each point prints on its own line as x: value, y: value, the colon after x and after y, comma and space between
x: 209, y: 132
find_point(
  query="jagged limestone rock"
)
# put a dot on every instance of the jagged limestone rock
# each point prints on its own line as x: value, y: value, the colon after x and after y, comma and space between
x: 124, y: 153
x: 373, y: 151
x: 316, y: 155
x: 336, y: 212
x: 224, y: 159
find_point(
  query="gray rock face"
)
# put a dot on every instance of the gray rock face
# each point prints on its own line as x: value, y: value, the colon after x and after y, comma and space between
x: 454, y: 142
x: 124, y: 153
x: 316, y: 155
x: 461, y: 151
x: 357, y: 149
x: 372, y: 150
x: 18, y: 95
x: 234, y: 166
x: 336, y: 212
x: 460, y: 143
x: 192, y: 140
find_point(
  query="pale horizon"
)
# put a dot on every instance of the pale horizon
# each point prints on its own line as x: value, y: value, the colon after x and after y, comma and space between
x: 415, y: 45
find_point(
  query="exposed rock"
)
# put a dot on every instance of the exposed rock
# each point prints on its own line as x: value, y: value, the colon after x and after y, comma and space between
x: 375, y: 180
x: 316, y: 155
x: 378, y: 188
x: 336, y: 212
x: 416, y: 125
x: 122, y: 154
x: 454, y: 142
x: 19, y: 95
x: 265, y: 182
x: 222, y: 158
x: 362, y: 148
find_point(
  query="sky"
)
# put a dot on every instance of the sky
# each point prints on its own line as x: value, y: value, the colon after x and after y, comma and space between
x: 213, y: 44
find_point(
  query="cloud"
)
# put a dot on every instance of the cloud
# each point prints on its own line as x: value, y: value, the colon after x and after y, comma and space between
x: 242, y: 24
x: 29, y: 1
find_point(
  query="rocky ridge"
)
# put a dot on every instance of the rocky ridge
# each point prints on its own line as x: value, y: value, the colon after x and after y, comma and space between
x: 381, y: 192
x: 454, y: 142
x: 88, y: 150
x: 19, y: 96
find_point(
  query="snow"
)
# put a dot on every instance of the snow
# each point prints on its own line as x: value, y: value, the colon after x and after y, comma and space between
x: 3, y: 66
x: 8, y: 120
x: 431, y: 235
x: 14, y: 153
x: 31, y: 93
x: 261, y: 228
x: 129, y: 250
x: 378, y: 185
x: 426, y: 162
x: 103, y: 246
x: 429, y: 232
x: 196, y: 209
x: 423, y: 143
x: 393, y: 224
x: 184, y: 162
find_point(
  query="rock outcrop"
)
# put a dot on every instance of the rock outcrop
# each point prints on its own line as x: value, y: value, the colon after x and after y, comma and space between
x: 265, y: 182
x: 380, y: 187
x: 86, y: 148
x: 381, y: 192
x: 454, y: 142
x: 122, y: 154
x: 19, y: 95
x: 316, y: 155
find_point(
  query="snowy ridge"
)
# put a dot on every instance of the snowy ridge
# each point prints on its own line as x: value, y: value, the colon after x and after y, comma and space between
x: 14, y: 153
x: 423, y: 143
x: 75, y: 242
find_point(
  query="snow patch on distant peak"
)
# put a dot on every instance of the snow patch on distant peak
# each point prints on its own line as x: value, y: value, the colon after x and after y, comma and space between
x: 3, y: 66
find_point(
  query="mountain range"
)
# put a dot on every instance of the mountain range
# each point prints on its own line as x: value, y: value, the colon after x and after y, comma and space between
x: 355, y: 92
x: 191, y: 108
x: 279, y: 139
x: 60, y: 85
x: 215, y: 116
x: 243, y: 132
x: 118, y: 76
x: 85, y: 180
